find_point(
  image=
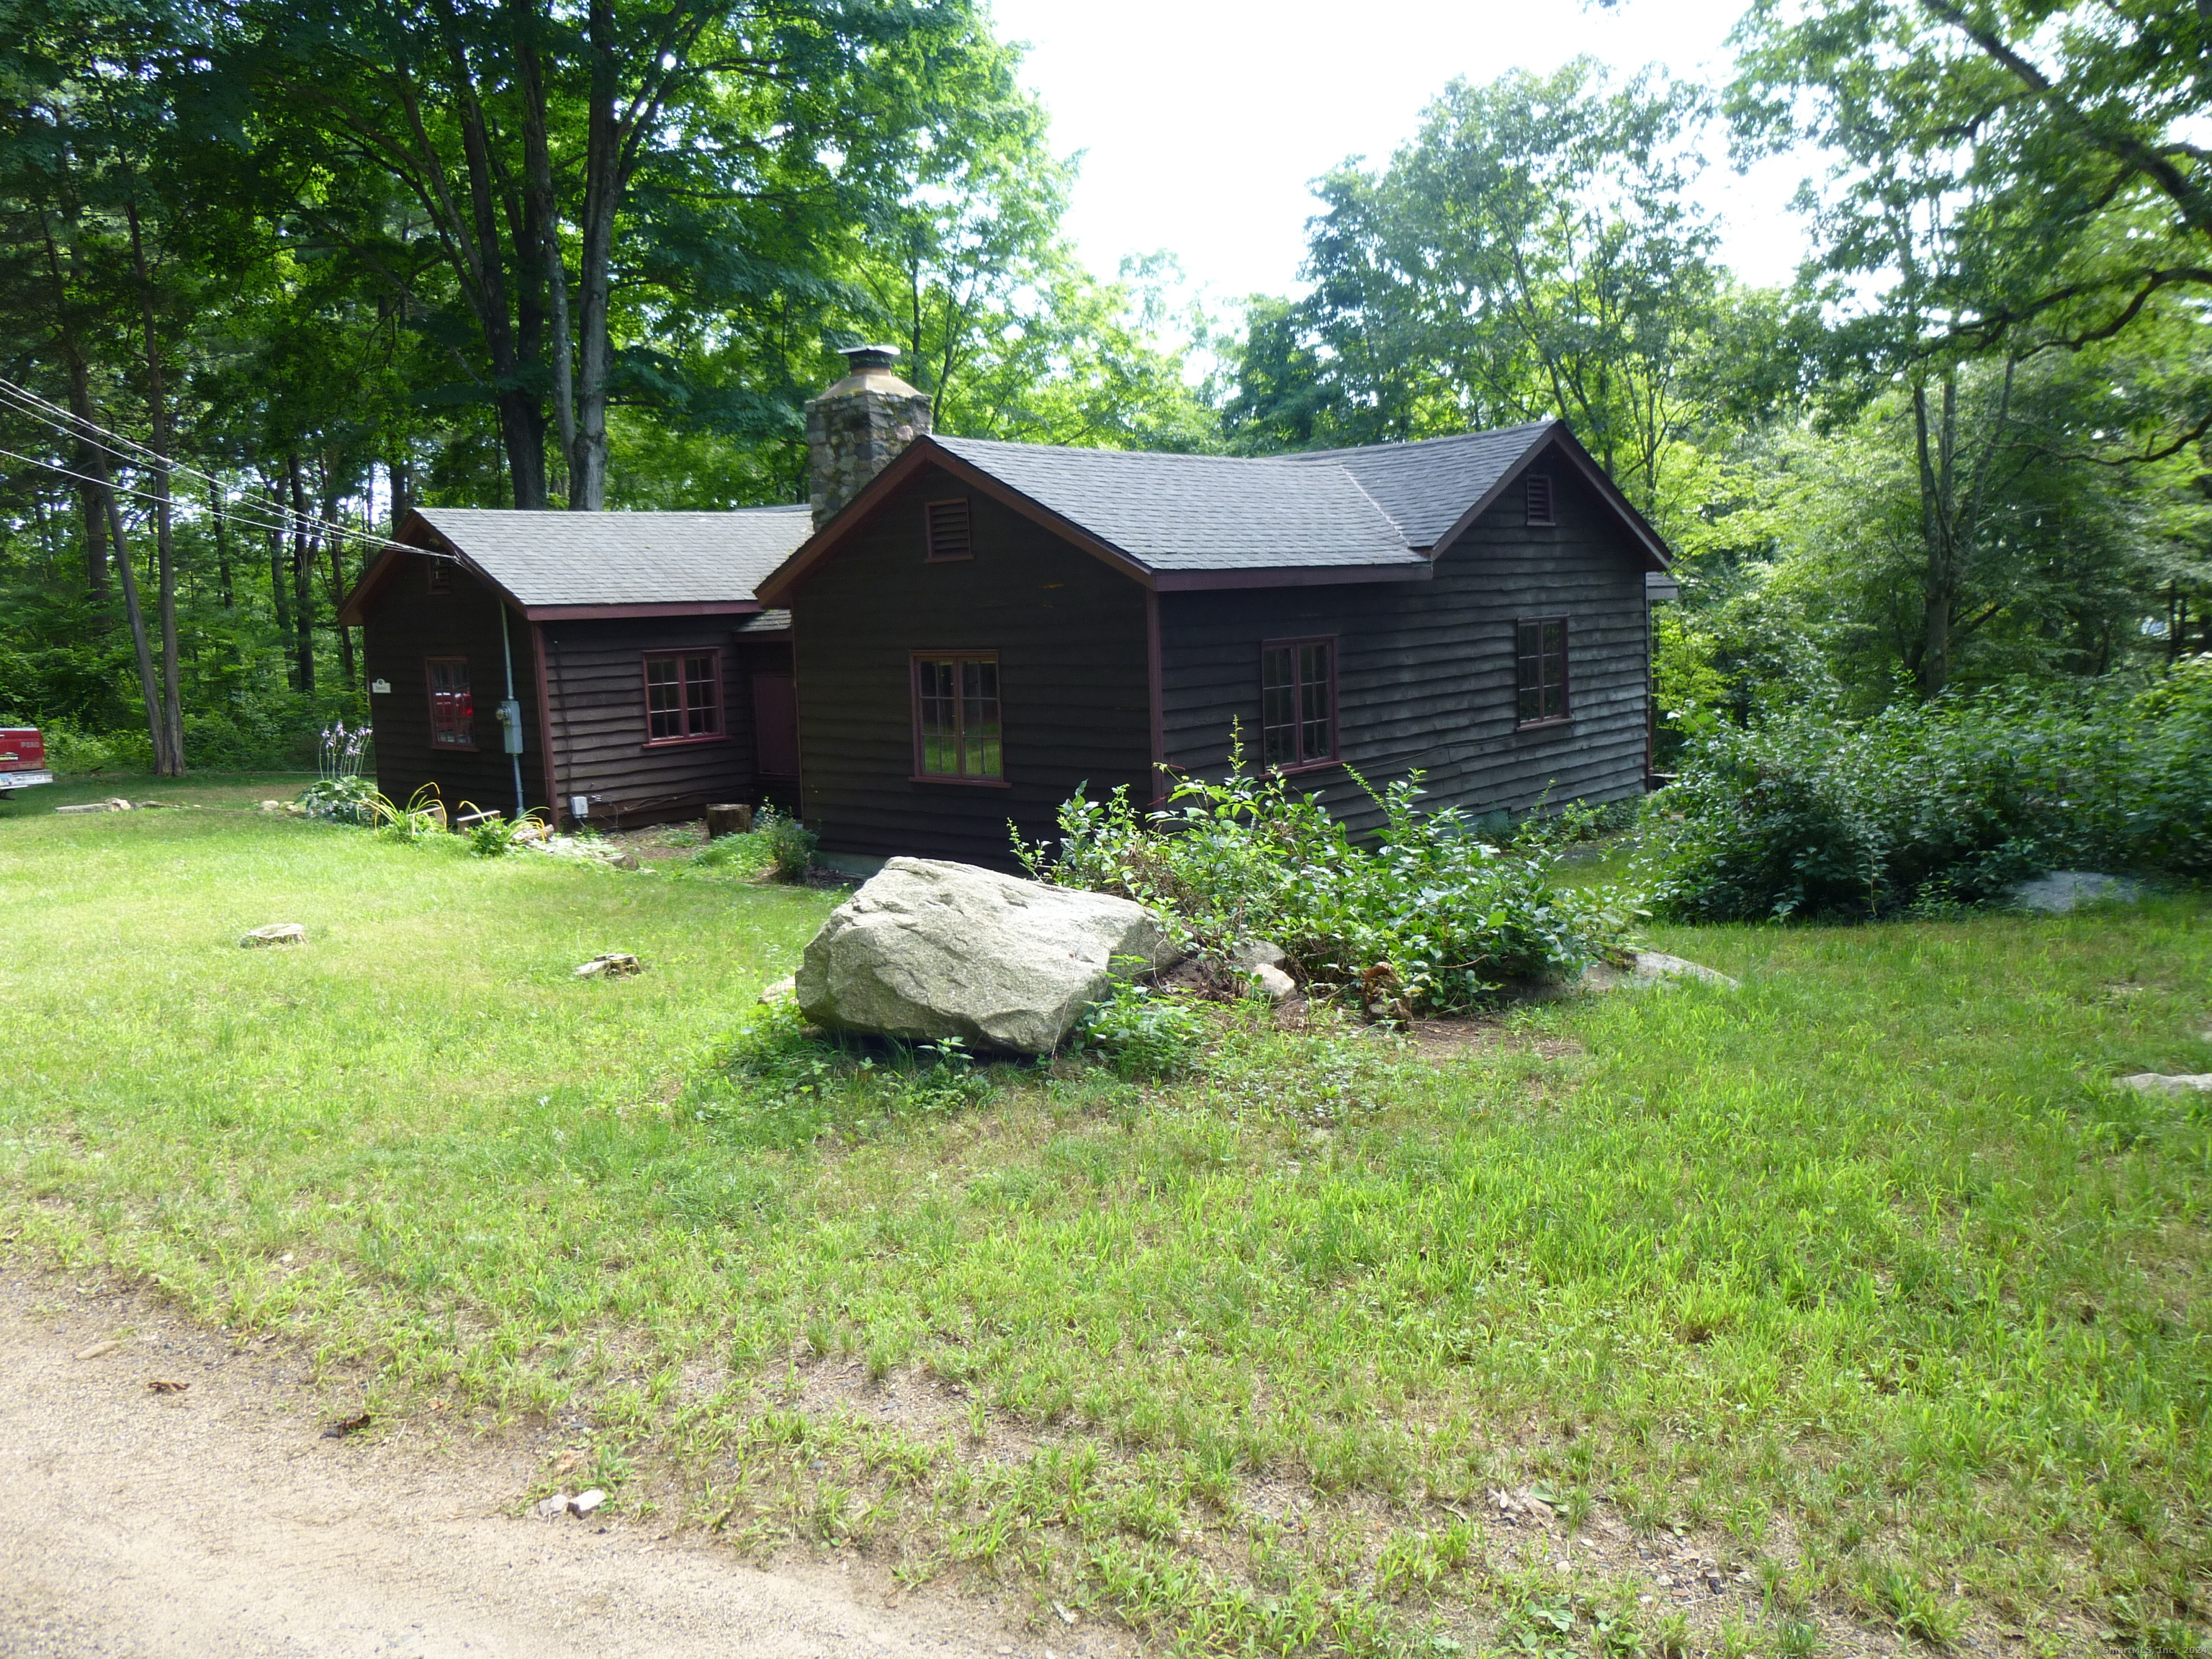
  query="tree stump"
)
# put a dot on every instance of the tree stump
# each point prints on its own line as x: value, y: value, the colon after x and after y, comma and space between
x: 733, y: 818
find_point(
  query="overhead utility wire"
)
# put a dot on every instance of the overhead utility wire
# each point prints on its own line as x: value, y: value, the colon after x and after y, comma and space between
x: 77, y: 427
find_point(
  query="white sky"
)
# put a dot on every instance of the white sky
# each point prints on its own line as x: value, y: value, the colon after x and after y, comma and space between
x: 1204, y: 119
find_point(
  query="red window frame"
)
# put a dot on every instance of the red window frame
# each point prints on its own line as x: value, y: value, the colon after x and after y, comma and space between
x: 1540, y: 672
x: 948, y: 530
x: 452, y: 707
x: 964, y: 711
x: 695, y: 714
x: 1543, y: 509
x: 1288, y: 742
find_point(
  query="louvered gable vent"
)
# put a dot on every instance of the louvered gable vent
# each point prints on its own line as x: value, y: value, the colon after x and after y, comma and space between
x: 946, y: 525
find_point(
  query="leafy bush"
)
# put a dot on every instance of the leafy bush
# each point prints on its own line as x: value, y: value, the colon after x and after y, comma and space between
x: 494, y: 835
x: 777, y: 844
x: 344, y: 800
x: 1145, y: 1035
x: 1949, y: 803
x: 1431, y: 919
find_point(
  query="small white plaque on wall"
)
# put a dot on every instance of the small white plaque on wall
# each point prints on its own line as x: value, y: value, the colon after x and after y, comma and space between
x: 381, y: 688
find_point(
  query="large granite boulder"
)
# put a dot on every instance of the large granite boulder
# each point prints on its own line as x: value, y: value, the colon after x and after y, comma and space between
x: 928, y: 949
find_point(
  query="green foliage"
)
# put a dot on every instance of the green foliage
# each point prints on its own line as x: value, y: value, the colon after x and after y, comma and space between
x: 1145, y: 1035
x: 422, y: 816
x: 1430, y: 920
x: 494, y: 835
x: 344, y: 800
x: 1804, y: 814
x: 778, y: 845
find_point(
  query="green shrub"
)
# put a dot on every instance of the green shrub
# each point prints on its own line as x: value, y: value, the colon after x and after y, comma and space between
x: 1947, y: 803
x: 343, y: 800
x: 1145, y: 1035
x: 1430, y: 920
x: 777, y: 844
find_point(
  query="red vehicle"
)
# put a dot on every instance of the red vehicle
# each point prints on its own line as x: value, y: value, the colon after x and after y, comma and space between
x: 23, y: 758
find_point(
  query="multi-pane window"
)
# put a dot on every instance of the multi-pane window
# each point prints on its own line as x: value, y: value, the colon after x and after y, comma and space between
x: 1541, y: 646
x: 956, y: 716
x: 452, y: 713
x: 1539, y: 499
x: 683, y: 696
x: 945, y: 530
x: 1297, y: 702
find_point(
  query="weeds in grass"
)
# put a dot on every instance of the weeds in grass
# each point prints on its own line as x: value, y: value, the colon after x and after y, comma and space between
x: 1849, y: 1247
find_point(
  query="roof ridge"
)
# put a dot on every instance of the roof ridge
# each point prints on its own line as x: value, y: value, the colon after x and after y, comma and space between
x: 1388, y: 517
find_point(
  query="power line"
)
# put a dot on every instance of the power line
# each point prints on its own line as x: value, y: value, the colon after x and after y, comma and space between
x: 245, y: 519
x: 75, y: 427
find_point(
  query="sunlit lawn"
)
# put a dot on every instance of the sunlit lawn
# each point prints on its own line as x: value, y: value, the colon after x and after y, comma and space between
x: 1863, y: 1277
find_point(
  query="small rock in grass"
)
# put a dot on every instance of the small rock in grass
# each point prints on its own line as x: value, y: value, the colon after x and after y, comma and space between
x: 610, y: 965
x: 2062, y: 890
x: 553, y: 1508
x: 98, y: 806
x: 1274, y: 982
x: 271, y: 806
x: 276, y: 932
x: 784, y: 990
x: 97, y: 1349
x: 1067, y: 1614
x: 1651, y: 968
x: 585, y: 1502
x: 344, y: 1426
x: 2170, y: 1083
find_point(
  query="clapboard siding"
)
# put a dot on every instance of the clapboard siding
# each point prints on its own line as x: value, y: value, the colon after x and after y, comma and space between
x: 407, y: 625
x: 1073, y: 686
x: 595, y: 676
x: 1426, y: 675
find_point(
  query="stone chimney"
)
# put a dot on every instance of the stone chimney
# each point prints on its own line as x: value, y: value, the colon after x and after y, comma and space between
x: 856, y: 428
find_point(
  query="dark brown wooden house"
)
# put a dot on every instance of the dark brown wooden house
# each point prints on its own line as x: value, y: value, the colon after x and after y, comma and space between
x: 645, y: 678
x: 979, y: 629
x: 965, y: 632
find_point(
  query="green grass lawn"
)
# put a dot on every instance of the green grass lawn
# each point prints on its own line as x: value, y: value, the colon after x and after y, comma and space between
x: 1863, y: 1282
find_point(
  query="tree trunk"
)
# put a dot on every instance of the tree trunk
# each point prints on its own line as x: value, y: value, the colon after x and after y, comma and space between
x: 93, y: 491
x: 224, y: 591
x: 149, y: 689
x: 169, y: 748
x: 279, y: 600
x: 587, y: 483
x: 545, y: 214
x: 336, y: 544
x: 303, y: 592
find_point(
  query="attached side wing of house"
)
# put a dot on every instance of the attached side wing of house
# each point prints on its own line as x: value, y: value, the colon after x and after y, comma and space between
x: 648, y: 677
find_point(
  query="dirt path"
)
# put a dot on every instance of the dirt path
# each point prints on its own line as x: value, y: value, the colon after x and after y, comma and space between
x: 219, y: 1520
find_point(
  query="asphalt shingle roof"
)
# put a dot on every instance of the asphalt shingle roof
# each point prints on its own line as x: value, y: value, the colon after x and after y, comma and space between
x: 624, y: 558
x: 1200, y: 512
x: 1426, y: 485
x: 1378, y: 506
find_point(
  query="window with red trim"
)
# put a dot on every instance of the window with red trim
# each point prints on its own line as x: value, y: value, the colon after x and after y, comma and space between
x: 1541, y: 650
x: 1297, y: 702
x: 453, y: 711
x: 683, y: 696
x: 956, y: 732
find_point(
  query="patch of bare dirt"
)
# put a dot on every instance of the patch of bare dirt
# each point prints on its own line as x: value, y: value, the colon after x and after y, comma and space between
x: 1440, y: 1040
x: 219, y: 1516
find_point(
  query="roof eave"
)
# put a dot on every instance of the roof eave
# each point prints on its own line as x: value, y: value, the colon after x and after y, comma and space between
x: 1291, y: 576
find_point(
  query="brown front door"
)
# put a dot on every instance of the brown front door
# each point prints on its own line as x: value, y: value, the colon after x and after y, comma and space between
x: 776, y: 725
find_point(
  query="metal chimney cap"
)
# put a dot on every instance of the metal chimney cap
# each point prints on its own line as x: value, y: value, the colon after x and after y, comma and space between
x: 865, y: 357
